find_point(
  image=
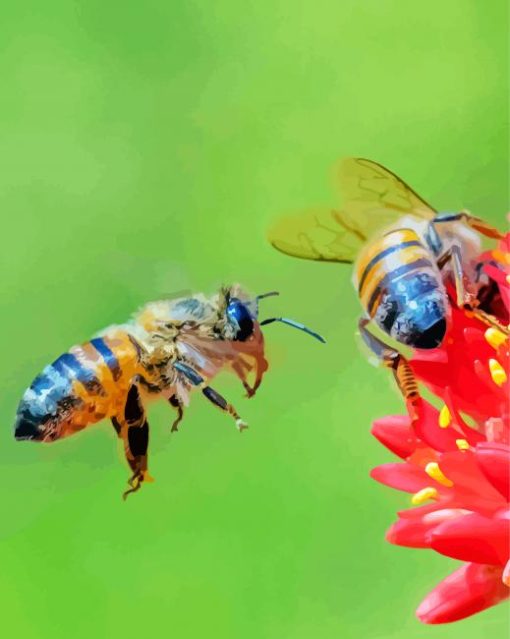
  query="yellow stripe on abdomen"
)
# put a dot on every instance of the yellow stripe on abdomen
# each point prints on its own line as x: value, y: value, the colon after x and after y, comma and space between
x: 384, y: 257
x: 114, y: 360
x: 387, y: 241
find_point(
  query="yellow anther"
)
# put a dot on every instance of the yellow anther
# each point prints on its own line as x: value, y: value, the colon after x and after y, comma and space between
x: 422, y: 495
x: 462, y: 444
x: 495, y: 337
x: 497, y: 372
x: 432, y: 469
x: 445, y: 417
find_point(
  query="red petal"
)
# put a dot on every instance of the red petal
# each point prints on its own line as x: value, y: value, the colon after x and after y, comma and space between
x: 471, y: 489
x: 409, y: 532
x: 421, y: 511
x: 401, y: 476
x: 496, y: 274
x: 506, y: 574
x: 396, y: 434
x: 427, y: 428
x: 470, y: 589
x: 472, y: 436
x: 415, y: 532
x: 475, y: 538
x: 494, y: 461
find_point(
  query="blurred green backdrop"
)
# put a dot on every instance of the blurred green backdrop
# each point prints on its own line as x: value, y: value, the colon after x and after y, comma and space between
x: 145, y: 147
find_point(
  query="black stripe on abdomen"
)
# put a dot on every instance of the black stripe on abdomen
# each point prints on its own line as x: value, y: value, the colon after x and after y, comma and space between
x: 108, y: 356
x: 380, y: 256
x: 398, y: 272
x: 70, y: 363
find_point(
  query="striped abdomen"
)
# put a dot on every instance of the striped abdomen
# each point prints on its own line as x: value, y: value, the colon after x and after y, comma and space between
x: 401, y: 289
x: 81, y: 387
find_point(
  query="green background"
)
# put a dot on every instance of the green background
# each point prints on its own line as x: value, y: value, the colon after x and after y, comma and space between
x: 145, y: 148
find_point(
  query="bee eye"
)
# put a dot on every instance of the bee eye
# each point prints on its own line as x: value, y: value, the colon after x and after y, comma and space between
x: 240, y: 318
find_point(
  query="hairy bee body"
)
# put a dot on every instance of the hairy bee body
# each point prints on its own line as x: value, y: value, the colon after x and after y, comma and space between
x: 169, y: 349
x: 91, y: 381
x: 406, y: 253
x: 81, y: 387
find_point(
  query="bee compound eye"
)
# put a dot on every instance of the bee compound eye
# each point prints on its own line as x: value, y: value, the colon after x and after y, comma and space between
x: 240, y: 318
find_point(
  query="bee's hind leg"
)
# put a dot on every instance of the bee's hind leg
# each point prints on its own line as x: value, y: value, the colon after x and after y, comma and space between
x: 132, y: 427
x: 177, y: 404
x: 213, y: 396
x: 397, y: 363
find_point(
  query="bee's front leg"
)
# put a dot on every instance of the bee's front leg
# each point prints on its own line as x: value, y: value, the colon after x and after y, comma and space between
x: 132, y: 427
x: 476, y: 223
x: 453, y: 256
x: 213, y: 396
x: 464, y: 300
x: 240, y: 370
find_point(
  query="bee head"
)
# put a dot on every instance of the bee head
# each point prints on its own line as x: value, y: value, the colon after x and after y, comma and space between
x: 240, y: 312
x: 240, y: 318
x: 241, y: 315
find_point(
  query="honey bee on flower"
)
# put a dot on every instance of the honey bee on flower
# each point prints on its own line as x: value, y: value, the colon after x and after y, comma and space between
x: 459, y: 473
x: 406, y: 254
x: 423, y: 279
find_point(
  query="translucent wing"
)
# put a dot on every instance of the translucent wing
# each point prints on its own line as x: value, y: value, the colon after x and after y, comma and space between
x: 369, y: 190
x: 321, y: 234
x: 373, y: 198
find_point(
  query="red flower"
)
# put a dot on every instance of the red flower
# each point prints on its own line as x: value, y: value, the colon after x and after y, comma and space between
x: 459, y: 472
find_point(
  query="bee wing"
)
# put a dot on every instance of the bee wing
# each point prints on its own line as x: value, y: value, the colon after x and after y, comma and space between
x: 373, y: 197
x: 321, y: 234
x: 369, y: 190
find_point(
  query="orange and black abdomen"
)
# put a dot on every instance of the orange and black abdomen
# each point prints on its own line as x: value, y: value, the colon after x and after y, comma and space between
x: 81, y: 387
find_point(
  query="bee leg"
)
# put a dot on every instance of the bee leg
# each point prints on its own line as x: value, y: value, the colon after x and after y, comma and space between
x: 433, y: 238
x: 463, y: 299
x: 219, y: 401
x: 177, y: 404
x: 213, y: 396
x: 483, y: 227
x: 132, y: 427
x: 392, y: 359
x: 453, y: 255
x: 240, y: 372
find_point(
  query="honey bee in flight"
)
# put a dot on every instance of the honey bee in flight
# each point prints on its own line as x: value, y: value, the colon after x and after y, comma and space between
x: 405, y: 253
x: 167, y: 350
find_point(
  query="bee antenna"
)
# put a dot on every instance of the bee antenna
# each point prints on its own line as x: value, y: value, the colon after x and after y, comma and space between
x: 298, y: 325
x: 270, y: 294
